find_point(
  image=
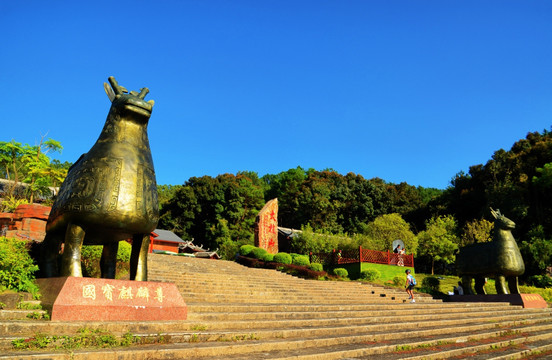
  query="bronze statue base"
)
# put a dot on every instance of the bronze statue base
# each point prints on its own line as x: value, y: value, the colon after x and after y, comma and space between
x: 91, y: 299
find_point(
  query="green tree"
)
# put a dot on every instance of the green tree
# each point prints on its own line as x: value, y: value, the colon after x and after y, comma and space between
x: 537, y: 251
x: 390, y: 227
x: 10, y: 159
x: 31, y: 165
x: 214, y: 210
x: 38, y: 167
x: 439, y: 241
x: 476, y: 231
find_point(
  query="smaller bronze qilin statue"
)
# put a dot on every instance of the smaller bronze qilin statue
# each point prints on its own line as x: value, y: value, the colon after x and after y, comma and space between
x: 499, y: 258
x: 109, y: 195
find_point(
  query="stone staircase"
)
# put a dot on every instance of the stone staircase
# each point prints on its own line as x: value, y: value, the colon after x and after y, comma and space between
x: 236, y: 312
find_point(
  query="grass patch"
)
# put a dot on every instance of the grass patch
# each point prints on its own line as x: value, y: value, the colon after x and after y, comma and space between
x: 86, y: 338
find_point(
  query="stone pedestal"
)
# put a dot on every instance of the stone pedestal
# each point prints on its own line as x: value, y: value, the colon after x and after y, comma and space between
x: 92, y: 299
x: 533, y: 301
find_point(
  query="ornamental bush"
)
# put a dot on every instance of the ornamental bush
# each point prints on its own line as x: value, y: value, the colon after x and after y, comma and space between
x: 268, y: 257
x: 541, y: 281
x: 258, y: 253
x: 316, y: 267
x: 16, y: 266
x: 370, y: 274
x: 301, y: 260
x: 341, y: 272
x: 282, y: 258
x: 245, y: 250
x: 431, y: 283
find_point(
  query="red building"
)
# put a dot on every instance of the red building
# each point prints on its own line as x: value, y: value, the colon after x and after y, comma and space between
x: 164, y: 240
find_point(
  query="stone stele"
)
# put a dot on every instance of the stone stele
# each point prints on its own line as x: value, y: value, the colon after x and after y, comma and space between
x: 266, y: 227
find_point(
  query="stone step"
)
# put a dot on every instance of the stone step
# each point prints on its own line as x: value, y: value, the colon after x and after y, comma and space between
x: 205, y: 308
x: 373, y: 316
x: 327, y: 347
x: 239, y: 313
x: 20, y: 314
x: 274, y: 328
x: 432, y: 347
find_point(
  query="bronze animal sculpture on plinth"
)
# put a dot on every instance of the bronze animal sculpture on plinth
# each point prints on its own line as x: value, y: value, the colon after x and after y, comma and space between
x: 499, y: 258
x: 109, y: 195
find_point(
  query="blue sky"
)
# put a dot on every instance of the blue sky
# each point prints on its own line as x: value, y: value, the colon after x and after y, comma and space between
x: 412, y: 91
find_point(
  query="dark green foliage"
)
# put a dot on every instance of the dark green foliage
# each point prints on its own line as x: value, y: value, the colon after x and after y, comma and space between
x: 245, y: 250
x: 541, y: 281
x: 537, y: 250
x: 301, y: 260
x: 431, y: 283
x: 316, y: 267
x: 518, y: 182
x: 221, y: 211
x: 397, y: 280
x: 282, y: 258
x: 370, y: 274
x: 258, y: 253
x: 328, y: 201
x: 91, y: 255
x: 215, y: 210
x: 16, y: 266
x: 341, y: 272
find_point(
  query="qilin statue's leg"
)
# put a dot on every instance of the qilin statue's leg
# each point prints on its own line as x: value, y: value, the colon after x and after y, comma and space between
x: 480, y: 285
x: 49, y: 261
x: 500, y: 285
x: 513, y: 284
x: 71, y: 258
x: 139, y: 257
x: 467, y: 285
x: 108, y: 261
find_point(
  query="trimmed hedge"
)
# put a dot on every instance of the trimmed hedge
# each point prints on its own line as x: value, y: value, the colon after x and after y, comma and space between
x: 302, y: 260
x: 245, y: 250
x: 268, y: 257
x: 316, y: 267
x: 431, y: 283
x: 370, y: 274
x: 258, y: 253
x: 283, y: 258
x: 341, y: 272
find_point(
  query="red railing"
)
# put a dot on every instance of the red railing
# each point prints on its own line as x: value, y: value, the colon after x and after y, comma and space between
x: 363, y: 255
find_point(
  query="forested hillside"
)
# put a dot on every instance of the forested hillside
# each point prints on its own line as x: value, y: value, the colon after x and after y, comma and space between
x: 219, y: 212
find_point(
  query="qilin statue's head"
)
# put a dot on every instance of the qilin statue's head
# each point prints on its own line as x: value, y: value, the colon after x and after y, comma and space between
x: 502, y: 222
x: 128, y: 105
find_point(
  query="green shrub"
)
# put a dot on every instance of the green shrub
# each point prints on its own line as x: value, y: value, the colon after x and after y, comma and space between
x: 431, y: 283
x: 282, y: 258
x: 268, y: 257
x: 370, y: 274
x: 341, y: 272
x: 245, y: 250
x: 541, y: 281
x: 545, y: 293
x: 397, y: 280
x: 91, y: 255
x: 301, y: 260
x: 16, y: 266
x: 258, y: 253
x: 316, y: 267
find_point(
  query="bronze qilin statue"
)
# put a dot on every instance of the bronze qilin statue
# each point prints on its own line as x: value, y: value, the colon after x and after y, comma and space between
x: 109, y: 195
x: 499, y: 258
